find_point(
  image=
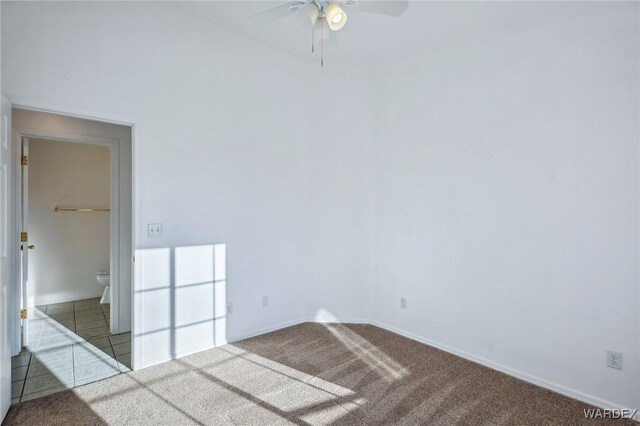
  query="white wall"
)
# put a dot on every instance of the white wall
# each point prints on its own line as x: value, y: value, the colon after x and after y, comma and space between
x: 338, y: 136
x: 70, y: 247
x: 41, y: 124
x: 506, y: 201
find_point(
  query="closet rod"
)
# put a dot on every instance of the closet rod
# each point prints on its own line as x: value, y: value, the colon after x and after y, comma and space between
x: 61, y: 209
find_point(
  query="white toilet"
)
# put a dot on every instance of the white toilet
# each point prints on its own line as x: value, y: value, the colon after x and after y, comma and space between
x: 104, y: 278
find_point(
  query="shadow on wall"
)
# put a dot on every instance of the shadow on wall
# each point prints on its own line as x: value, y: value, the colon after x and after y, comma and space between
x: 180, y: 301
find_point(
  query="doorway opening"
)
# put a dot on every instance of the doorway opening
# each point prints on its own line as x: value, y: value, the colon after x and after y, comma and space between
x: 74, y: 265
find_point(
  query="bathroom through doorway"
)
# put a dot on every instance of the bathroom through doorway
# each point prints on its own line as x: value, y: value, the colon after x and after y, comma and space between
x: 75, y: 253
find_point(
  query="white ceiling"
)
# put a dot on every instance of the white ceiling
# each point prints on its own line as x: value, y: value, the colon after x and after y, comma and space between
x: 374, y: 38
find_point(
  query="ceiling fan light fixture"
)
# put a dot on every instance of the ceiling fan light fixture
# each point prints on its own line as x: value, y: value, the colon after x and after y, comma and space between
x: 309, y: 13
x: 335, y: 16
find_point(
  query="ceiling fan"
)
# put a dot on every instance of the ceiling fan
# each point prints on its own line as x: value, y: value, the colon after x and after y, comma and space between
x: 326, y: 17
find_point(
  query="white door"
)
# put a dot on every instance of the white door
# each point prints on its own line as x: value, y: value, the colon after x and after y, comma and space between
x: 5, y: 259
x: 24, y: 240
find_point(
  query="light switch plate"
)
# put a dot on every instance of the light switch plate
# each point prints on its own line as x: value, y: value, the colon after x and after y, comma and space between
x: 154, y: 230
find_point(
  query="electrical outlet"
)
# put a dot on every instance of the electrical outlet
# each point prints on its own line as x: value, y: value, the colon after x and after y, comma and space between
x: 154, y: 230
x: 229, y: 308
x: 403, y: 303
x: 265, y: 301
x: 614, y: 359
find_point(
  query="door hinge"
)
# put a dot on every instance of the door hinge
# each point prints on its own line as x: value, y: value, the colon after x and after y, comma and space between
x: 23, y: 314
x: 23, y: 237
x: 24, y: 160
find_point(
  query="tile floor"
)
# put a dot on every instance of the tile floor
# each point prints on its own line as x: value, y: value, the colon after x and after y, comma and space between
x: 69, y: 345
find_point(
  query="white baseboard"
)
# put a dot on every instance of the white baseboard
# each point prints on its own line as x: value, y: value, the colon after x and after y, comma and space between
x: 342, y: 321
x: 563, y: 390
x: 266, y: 330
x: 61, y: 298
x: 162, y: 359
x: 142, y: 364
x: 295, y: 322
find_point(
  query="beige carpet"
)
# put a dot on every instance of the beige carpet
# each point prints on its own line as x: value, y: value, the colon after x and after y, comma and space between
x: 308, y: 374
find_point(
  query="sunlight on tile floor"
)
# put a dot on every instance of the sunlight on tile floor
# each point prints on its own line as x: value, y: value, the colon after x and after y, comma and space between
x: 69, y: 345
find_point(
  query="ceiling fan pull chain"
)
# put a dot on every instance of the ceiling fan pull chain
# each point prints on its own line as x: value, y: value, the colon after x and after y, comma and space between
x: 322, y: 44
x: 313, y: 38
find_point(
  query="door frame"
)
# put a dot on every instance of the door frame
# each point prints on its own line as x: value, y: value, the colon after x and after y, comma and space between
x: 18, y: 133
x: 114, y: 220
x: 23, y: 220
x: 6, y: 257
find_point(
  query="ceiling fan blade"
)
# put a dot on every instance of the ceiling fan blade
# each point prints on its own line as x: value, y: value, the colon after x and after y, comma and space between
x: 381, y: 7
x: 275, y: 12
